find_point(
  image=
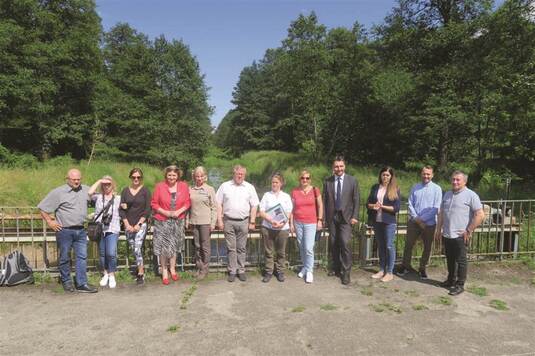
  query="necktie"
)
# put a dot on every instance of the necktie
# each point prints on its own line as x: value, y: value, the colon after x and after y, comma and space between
x: 338, y: 200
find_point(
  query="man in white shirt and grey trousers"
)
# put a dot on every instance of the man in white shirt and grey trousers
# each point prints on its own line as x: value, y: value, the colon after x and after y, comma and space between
x: 237, y: 203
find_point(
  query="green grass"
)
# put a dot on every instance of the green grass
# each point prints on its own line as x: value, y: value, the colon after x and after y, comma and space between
x: 419, y: 307
x: 381, y: 307
x: 328, y: 307
x: 366, y: 291
x: 41, y: 278
x: 298, y: 309
x: 186, y: 295
x: 173, y: 328
x: 411, y: 293
x: 444, y: 300
x: 479, y: 291
x: 498, y: 304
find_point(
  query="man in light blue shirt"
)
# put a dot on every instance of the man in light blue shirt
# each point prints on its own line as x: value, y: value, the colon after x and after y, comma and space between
x: 424, y: 202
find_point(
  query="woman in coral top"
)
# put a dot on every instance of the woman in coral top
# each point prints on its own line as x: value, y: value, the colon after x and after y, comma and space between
x: 170, y: 202
x: 306, y: 218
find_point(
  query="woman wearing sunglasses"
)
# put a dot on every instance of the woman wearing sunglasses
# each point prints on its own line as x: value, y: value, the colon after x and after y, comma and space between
x: 135, y: 211
x: 305, y: 220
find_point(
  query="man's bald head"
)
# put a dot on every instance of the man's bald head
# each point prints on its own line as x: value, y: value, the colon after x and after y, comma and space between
x: 74, y: 178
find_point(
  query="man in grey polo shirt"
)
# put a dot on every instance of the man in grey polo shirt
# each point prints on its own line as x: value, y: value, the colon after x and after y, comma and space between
x: 237, y: 202
x: 461, y: 212
x: 69, y: 205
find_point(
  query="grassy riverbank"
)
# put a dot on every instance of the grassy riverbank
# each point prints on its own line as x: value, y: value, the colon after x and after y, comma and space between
x: 27, y: 186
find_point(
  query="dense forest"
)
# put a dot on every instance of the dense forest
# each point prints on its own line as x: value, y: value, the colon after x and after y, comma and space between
x: 67, y: 87
x: 445, y: 82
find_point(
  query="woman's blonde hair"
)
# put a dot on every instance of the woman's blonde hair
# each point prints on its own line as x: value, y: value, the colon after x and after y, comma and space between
x: 199, y: 169
x: 113, y: 184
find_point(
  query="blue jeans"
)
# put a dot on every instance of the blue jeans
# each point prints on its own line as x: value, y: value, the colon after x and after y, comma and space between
x: 306, y: 237
x: 385, y: 235
x: 77, y: 240
x: 107, y: 250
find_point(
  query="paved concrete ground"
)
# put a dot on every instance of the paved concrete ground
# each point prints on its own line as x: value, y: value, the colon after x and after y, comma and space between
x: 404, y: 317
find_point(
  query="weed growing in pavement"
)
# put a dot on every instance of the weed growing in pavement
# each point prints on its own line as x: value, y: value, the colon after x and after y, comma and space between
x: 187, y: 294
x: 328, y: 307
x: 366, y: 291
x: 420, y: 307
x: 173, y: 328
x: 298, y: 309
x: 515, y: 280
x: 381, y: 307
x: 479, y: 291
x: 444, y: 300
x: 411, y: 293
x: 498, y: 304
x: 124, y: 276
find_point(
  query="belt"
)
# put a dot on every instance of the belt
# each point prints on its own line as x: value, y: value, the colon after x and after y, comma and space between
x: 75, y: 227
x: 232, y: 219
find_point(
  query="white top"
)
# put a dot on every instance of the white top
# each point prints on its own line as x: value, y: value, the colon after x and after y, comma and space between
x: 115, y: 224
x: 341, y: 183
x: 380, y: 198
x: 237, y: 200
x: 270, y: 200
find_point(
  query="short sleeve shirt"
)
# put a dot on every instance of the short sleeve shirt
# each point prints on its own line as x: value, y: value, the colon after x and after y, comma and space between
x: 237, y: 199
x: 458, y: 209
x: 270, y: 200
x: 68, y: 205
x: 115, y: 223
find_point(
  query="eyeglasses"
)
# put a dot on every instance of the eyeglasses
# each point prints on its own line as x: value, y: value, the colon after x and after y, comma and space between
x: 305, y: 178
x: 136, y: 177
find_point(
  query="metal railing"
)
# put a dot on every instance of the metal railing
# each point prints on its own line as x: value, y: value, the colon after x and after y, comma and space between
x: 507, y: 232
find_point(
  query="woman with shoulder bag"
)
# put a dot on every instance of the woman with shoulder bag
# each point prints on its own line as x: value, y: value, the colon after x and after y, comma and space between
x: 305, y: 220
x: 107, y: 205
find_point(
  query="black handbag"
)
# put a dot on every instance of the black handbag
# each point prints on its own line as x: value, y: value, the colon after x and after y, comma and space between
x: 95, y: 229
x: 318, y: 232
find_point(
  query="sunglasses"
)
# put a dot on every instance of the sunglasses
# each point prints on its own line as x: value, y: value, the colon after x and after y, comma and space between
x: 136, y: 177
x: 305, y: 178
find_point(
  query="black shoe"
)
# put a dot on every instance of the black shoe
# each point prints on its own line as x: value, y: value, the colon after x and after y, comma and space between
x: 267, y: 277
x: 447, y: 284
x: 346, y: 279
x: 242, y: 277
x: 68, y: 287
x: 140, y: 280
x: 333, y: 274
x: 423, y: 274
x: 86, y: 288
x: 280, y: 276
x: 231, y: 277
x: 401, y: 271
x: 456, y: 290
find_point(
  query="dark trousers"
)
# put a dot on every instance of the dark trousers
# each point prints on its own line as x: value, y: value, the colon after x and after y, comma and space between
x: 414, y: 231
x: 275, y: 240
x: 201, y: 240
x: 340, y: 244
x: 456, y: 259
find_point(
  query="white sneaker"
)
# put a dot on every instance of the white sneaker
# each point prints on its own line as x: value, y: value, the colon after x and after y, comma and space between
x: 104, y: 280
x: 112, y: 282
x: 301, y: 273
x: 309, y: 277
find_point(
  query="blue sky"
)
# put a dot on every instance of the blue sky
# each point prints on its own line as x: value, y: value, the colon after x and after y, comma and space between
x: 227, y: 35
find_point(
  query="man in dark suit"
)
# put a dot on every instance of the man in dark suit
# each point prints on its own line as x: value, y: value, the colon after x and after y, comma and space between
x: 341, y: 201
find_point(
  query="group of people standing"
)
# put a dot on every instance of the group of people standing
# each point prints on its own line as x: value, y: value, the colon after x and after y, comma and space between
x: 175, y: 206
